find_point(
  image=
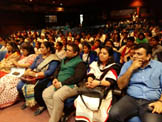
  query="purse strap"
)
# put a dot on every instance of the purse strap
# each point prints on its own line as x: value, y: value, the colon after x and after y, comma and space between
x: 87, y: 106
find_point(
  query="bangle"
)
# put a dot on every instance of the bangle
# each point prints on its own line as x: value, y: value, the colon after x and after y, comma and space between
x: 36, y: 75
x: 99, y: 83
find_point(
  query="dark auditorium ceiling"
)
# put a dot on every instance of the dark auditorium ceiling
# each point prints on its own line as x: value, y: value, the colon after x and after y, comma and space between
x: 68, y: 5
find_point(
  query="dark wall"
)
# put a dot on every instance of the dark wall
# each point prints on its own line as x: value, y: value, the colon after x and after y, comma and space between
x: 71, y: 19
x: 13, y: 21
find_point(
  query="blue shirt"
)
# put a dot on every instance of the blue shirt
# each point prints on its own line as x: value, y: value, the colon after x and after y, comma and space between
x: 145, y: 83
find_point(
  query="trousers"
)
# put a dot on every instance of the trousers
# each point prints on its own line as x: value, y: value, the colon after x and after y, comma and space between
x: 127, y: 107
x: 54, y: 100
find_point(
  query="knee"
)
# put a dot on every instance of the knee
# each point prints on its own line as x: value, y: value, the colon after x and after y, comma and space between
x: 56, y: 96
x: 45, y: 94
x: 149, y: 117
x: 19, y: 86
x: 114, y: 114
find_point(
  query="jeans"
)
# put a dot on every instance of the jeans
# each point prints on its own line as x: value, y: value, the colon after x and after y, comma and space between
x: 19, y: 87
x: 127, y: 107
x: 134, y: 119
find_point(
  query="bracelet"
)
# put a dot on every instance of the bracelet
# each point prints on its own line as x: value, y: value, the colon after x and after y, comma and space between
x: 99, y: 83
x: 36, y: 75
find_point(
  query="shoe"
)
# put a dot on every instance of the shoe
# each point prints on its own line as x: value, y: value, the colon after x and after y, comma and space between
x: 23, y: 106
x: 39, y: 110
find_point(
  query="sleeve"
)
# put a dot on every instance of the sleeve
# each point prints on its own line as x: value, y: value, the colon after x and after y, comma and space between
x: 124, y: 68
x: 121, y: 49
x: 31, y: 58
x: 34, y: 63
x: 92, y: 70
x: 80, y: 72
x: 161, y: 79
x: 111, y: 76
x: 56, y: 72
x: 51, y: 68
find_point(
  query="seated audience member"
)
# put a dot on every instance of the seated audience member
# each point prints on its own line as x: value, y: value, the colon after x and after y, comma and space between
x: 12, y: 55
x: 69, y: 73
x: 96, y: 46
x: 3, y: 49
x: 77, y: 42
x: 42, y: 38
x: 141, y: 38
x: 156, y: 48
x: 64, y: 42
x: 60, y: 52
x: 116, y: 54
x: 8, y: 83
x: 125, y: 50
x: 101, y: 74
x: 124, y: 37
x: 116, y: 39
x: 143, y: 79
x: 87, y: 55
x: 70, y: 37
x: 43, y: 66
x: 37, y: 48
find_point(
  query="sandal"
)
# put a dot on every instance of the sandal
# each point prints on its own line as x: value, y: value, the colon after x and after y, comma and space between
x: 23, y: 106
x: 39, y: 110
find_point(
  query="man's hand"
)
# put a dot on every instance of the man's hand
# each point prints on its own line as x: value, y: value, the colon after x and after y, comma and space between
x: 54, y: 81
x: 157, y: 107
x: 56, y: 84
x: 137, y: 64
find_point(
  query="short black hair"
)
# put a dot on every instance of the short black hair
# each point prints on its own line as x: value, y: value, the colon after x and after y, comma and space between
x: 131, y: 38
x: 60, y: 44
x: 156, y: 38
x: 87, y: 45
x: 146, y: 46
x: 75, y: 47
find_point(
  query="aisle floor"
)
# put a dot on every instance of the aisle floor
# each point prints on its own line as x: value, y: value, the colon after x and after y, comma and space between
x: 15, y: 114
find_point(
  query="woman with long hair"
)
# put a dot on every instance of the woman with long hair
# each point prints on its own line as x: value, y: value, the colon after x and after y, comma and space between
x: 13, y: 54
x: 42, y: 68
x: 103, y: 75
x: 8, y: 83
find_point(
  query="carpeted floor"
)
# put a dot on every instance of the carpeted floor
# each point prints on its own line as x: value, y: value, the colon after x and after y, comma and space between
x: 15, y: 114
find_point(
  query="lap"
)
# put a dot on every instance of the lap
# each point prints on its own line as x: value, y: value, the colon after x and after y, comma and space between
x: 48, y: 92
x: 125, y: 108
x: 65, y: 92
x: 150, y: 117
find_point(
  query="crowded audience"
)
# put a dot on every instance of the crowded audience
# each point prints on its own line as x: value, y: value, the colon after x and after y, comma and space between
x: 59, y: 60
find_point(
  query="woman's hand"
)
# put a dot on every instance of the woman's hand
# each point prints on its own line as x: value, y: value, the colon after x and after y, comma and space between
x: 29, y: 73
x: 92, y: 84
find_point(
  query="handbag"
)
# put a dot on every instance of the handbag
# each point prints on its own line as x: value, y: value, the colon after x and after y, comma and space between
x: 28, y: 79
x: 99, y: 92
